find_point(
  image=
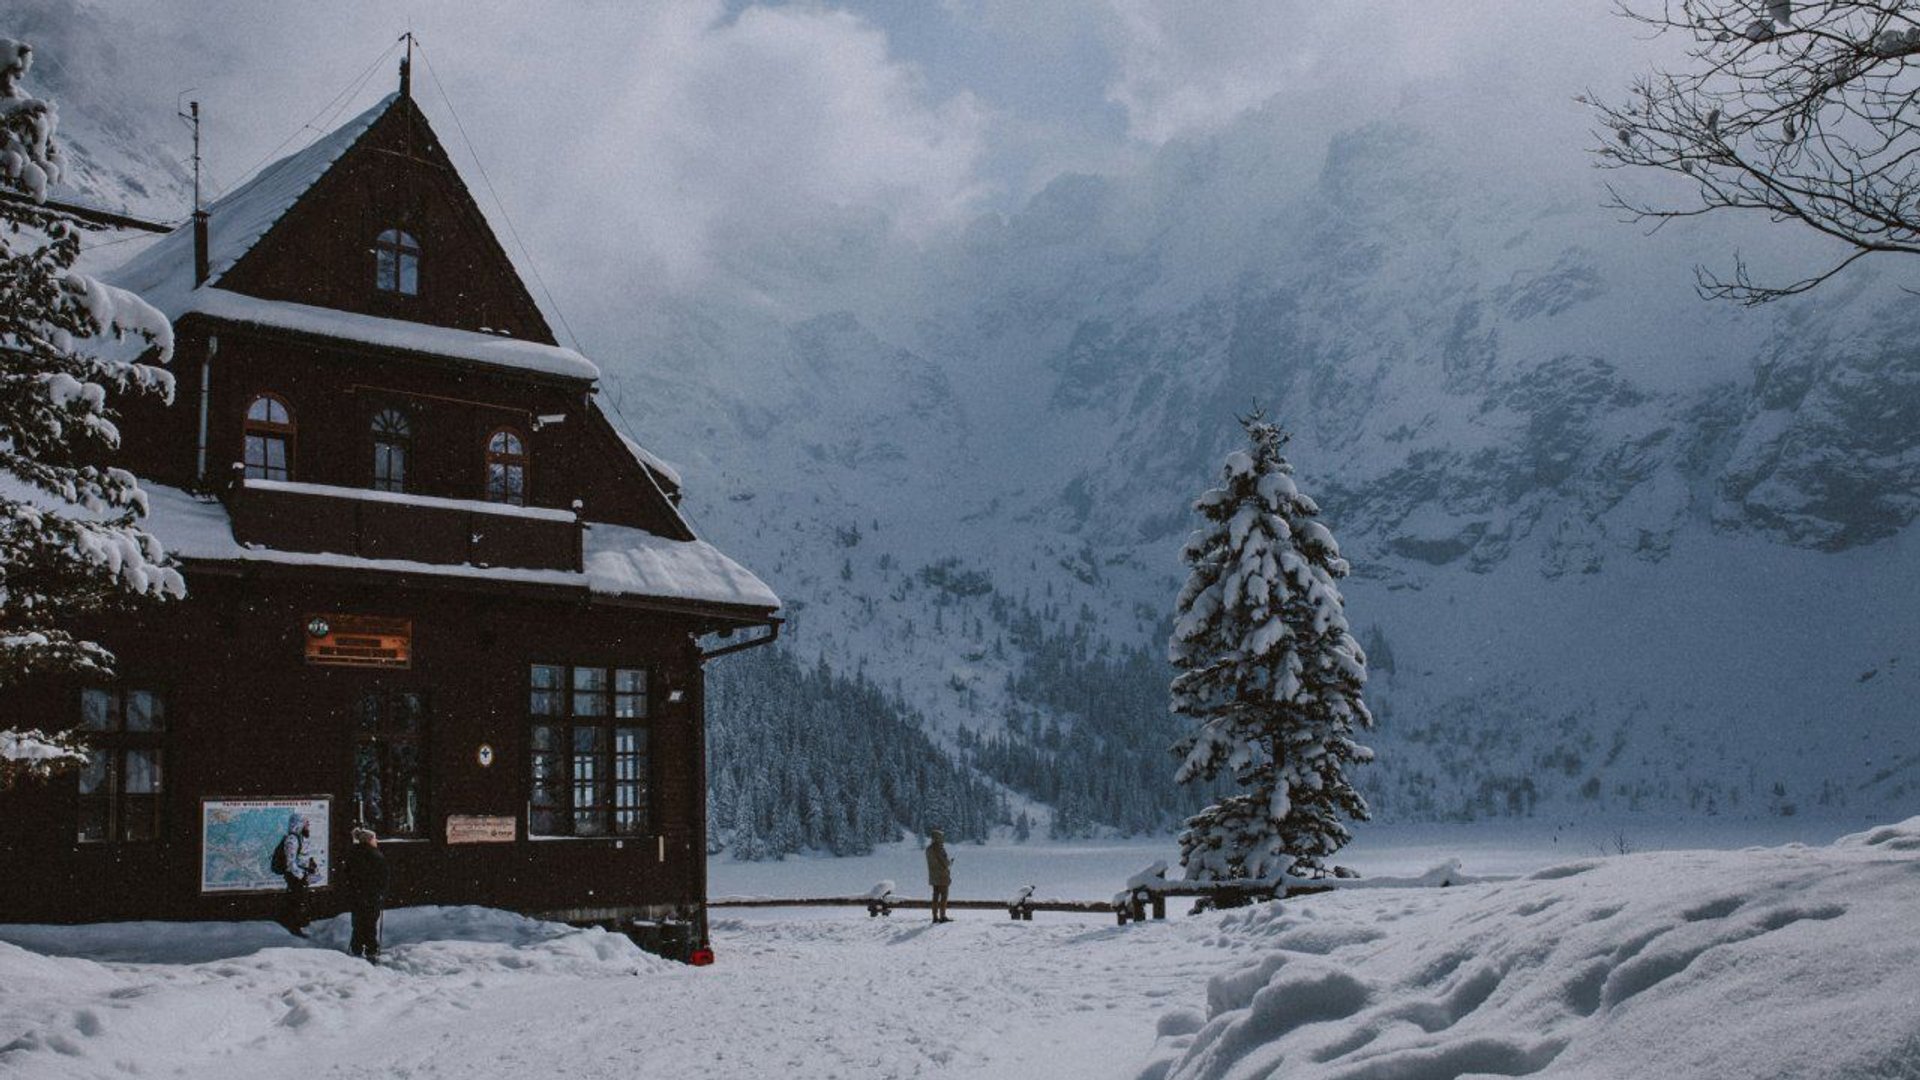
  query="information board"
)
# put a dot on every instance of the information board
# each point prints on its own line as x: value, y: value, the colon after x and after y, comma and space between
x: 478, y: 829
x: 238, y: 838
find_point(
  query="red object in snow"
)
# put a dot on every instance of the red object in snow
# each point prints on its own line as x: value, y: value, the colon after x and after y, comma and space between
x: 701, y: 957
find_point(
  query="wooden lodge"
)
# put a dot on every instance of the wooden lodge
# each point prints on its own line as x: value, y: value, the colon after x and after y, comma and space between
x: 431, y: 588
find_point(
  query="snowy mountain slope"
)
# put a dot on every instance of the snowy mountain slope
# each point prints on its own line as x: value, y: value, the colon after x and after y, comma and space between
x: 1627, y: 551
x: 118, y: 133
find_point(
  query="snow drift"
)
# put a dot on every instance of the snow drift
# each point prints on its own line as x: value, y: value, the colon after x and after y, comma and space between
x: 99, y: 1000
x: 1780, y: 962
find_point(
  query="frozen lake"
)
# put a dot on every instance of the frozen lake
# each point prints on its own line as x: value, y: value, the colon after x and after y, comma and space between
x: 1095, y: 870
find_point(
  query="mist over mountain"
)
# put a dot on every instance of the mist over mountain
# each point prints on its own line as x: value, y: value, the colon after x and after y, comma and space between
x: 1616, y: 550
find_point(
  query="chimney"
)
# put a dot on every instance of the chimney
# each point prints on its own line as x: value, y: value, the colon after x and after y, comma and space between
x: 406, y: 72
x: 200, y: 265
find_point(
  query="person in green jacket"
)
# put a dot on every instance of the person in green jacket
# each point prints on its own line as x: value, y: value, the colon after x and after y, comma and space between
x: 939, y: 872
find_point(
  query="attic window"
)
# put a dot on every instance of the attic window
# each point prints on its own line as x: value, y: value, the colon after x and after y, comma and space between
x: 397, y: 263
x: 269, y: 434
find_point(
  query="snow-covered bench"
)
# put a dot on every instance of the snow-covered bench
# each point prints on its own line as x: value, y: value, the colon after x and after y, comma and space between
x: 1150, y: 887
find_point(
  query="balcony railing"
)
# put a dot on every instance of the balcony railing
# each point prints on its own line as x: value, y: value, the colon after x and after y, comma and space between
x: 394, y: 525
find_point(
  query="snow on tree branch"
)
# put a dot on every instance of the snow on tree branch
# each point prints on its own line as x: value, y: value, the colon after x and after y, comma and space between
x: 70, y: 535
x: 1802, y: 111
x: 37, y: 754
x: 1269, y: 674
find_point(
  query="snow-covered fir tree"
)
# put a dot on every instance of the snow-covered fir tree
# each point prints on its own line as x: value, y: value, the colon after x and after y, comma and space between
x: 1269, y: 675
x: 70, y: 535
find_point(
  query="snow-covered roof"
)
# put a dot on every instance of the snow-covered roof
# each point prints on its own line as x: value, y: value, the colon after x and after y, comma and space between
x: 620, y: 561
x: 653, y: 461
x: 387, y: 333
x: 633, y: 562
x: 163, y: 273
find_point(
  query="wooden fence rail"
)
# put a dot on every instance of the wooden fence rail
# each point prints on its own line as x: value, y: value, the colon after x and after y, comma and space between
x: 1082, y: 907
x: 1136, y: 908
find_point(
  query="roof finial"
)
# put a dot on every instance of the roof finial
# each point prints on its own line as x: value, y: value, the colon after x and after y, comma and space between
x: 406, y: 66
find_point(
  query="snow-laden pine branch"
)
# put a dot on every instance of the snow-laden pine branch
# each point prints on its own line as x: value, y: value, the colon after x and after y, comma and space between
x: 71, y: 539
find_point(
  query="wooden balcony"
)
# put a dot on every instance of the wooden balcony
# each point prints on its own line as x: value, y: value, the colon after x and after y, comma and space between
x: 368, y: 524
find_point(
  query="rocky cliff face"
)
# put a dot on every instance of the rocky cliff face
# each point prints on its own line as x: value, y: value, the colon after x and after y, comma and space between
x: 1621, y: 550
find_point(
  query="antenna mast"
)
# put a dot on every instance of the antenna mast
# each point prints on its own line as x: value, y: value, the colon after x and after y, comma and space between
x: 200, y: 263
x: 406, y: 67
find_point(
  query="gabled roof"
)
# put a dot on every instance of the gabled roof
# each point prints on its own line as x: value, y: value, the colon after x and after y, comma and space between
x: 163, y: 273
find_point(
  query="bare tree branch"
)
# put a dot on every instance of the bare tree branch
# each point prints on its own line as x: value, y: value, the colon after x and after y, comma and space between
x: 1805, y: 110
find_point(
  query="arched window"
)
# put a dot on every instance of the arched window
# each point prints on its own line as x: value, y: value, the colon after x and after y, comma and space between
x: 269, y: 439
x: 392, y: 439
x: 397, y: 263
x: 507, y: 467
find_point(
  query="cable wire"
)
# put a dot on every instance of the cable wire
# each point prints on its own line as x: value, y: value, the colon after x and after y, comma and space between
x: 331, y: 109
x: 497, y: 201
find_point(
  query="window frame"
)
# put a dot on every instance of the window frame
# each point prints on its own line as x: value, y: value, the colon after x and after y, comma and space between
x: 396, y: 250
x: 590, y: 740
x: 400, y: 446
x: 111, y: 749
x: 383, y: 737
x: 506, y: 460
x: 287, y: 433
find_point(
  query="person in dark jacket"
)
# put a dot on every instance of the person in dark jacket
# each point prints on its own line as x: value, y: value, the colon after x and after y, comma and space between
x: 366, y: 887
x: 296, y: 868
x: 939, y: 872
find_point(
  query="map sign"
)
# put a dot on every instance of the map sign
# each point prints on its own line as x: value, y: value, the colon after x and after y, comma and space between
x: 237, y: 838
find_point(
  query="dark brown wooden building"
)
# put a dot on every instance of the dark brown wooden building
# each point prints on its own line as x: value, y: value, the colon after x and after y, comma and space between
x: 431, y: 587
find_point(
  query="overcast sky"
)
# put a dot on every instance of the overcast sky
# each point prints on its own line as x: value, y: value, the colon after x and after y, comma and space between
x: 683, y: 143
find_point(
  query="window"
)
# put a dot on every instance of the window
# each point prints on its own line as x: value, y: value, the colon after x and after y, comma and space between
x: 396, y: 258
x: 392, y: 437
x: 588, y: 757
x: 269, y: 438
x: 121, y: 784
x: 506, y: 467
x: 389, y: 778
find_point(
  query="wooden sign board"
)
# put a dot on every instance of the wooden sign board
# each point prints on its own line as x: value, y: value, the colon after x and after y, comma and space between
x: 360, y: 641
x: 479, y: 829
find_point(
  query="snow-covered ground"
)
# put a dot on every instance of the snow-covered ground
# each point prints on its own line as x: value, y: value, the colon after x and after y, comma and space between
x: 1792, y: 961
x: 1776, y: 962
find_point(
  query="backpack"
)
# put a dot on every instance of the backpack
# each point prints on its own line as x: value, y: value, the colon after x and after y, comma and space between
x: 278, y: 861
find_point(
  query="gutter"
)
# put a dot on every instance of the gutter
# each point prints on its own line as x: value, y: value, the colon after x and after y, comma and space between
x: 772, y: 635
x: 206, y: 382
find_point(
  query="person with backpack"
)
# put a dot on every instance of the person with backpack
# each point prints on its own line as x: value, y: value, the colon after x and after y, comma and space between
x: 296, y: 867
x: 367, y: 879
